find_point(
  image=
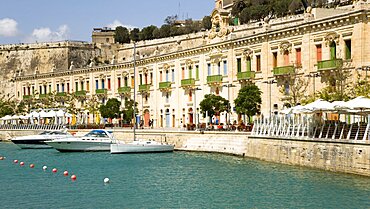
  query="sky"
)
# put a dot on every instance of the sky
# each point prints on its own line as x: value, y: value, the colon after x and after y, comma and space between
x: 30, y: 21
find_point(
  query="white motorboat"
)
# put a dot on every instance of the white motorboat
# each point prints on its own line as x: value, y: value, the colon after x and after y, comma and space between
x: 95, y: 140
x: 140, y: 147
x: 39, y: 141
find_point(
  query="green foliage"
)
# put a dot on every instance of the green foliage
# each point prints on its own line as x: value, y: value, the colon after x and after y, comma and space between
x: 249, y: 100
x: 206, y: 22
x: 170, y: 20
x: 122, y: 35
x: 134, y: 34
x: 111, y: 109
x: 147, y: 33
x: 92, y: 105
x: 128, y: 112
x: 338, y: 87
x: 213, y: 105
x: 297, y: 89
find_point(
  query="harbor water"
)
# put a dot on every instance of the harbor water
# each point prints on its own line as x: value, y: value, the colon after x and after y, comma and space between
x: 169, y: 180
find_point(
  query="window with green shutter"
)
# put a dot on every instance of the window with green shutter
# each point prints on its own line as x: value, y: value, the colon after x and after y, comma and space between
x: 197, y: 72
x: 249, y: 65
x: 239, y: 64
x: 348, y: 49
x: 333, y: 51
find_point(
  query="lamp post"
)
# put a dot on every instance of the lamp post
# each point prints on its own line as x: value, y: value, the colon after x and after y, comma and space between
x: 195, y: 104
x: 228, y: 98
x: 270, y: 82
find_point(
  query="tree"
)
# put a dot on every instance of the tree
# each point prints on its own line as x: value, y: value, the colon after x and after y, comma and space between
x: 338, y: 87
x: 213, y: 105
x: 147, y: 33
x: 122, y: 35
x: 92, y: 106
x: 170, y: 20
x: 206, y: 22
x: 134, y: 34
x: 294, y: 88
x: 248, y: 101
x: 128, y: 112
x: 111, y: 109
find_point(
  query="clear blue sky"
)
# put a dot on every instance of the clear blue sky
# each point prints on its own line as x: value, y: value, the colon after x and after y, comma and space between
x: 24, y: 21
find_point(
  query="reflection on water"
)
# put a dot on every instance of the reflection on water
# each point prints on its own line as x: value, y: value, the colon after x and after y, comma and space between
x: 170, y: 180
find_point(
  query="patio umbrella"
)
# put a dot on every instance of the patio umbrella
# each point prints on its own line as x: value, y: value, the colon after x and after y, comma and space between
x: 319, y: 106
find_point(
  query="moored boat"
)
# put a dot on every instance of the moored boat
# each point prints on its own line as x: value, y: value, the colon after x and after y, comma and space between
x: 94, y: 141
x: 140, y: 147
x: 38, y: 141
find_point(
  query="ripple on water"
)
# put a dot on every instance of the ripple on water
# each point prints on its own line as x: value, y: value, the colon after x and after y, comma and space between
x: 170, y: 180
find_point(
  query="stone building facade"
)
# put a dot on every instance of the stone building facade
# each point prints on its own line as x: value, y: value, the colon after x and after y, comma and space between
x: 173, y: 74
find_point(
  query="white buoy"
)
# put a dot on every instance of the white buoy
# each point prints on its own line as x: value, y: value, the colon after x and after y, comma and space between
x: 44, y: 167
x: 106, y: 180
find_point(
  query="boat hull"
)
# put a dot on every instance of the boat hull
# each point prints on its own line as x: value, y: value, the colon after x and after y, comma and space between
x: 32, y: 144
x: 80, y: 146
x: 138, y: 148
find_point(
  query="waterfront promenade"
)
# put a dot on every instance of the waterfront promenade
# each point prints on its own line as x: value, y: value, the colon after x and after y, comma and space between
x: 346, y: 156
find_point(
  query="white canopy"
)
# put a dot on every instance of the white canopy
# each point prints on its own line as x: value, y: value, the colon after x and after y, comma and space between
x: 7, y: 117
x: 50, y: 114
x: 359, y: 103
x: 319, y: 106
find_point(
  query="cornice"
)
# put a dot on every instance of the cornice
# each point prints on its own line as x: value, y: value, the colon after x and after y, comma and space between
x: 322, y: 24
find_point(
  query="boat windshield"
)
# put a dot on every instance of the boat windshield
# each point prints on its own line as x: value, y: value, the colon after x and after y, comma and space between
x: 45, y: 133
x: 57, y: 133
x: 97, y: 133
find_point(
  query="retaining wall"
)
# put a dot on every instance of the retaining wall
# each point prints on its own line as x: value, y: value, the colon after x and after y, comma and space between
x: 343, y: 156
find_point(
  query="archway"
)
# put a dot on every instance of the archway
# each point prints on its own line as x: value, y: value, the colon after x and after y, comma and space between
x: 168, y: 118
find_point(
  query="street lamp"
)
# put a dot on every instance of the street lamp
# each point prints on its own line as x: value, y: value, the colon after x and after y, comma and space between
x: 228, y: 98
x: 195, y: 104
x: 313, y: 75
x: 270, y: 82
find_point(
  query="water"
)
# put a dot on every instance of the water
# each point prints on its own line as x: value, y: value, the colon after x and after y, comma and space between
x: 170, y: 180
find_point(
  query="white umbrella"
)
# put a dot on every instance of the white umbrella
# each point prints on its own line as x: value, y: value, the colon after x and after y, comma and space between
x: 60, y: 113
x: 34, y: 114
x: 300, y: 109
x: 42, y: 114
x: 50, y: 114
x: 359, y: 103
x: 7, y: 117
x: 319, y: 106
x: 286, y: 111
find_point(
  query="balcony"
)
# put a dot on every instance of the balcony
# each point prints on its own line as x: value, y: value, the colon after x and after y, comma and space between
x: 248, y: 75
x: 185, y: 83
x: 329, y: 64
x: 80, y: 93
x: 43, y: 96
x: 214, y: 79
x: 101, y: 91
x: 61, y: 94
x: 27, y: 97
x: 124, y: 90
x: 144, y: 87
x: 283, y: 71
x: 165, y: 86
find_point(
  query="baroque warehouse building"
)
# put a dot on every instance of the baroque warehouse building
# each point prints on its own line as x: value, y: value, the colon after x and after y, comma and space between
x: 173, y: 74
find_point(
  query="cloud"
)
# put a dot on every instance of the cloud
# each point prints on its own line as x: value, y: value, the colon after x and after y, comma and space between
x: 117, y: 23
x: 46, y: 34
x: 8, y: 27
